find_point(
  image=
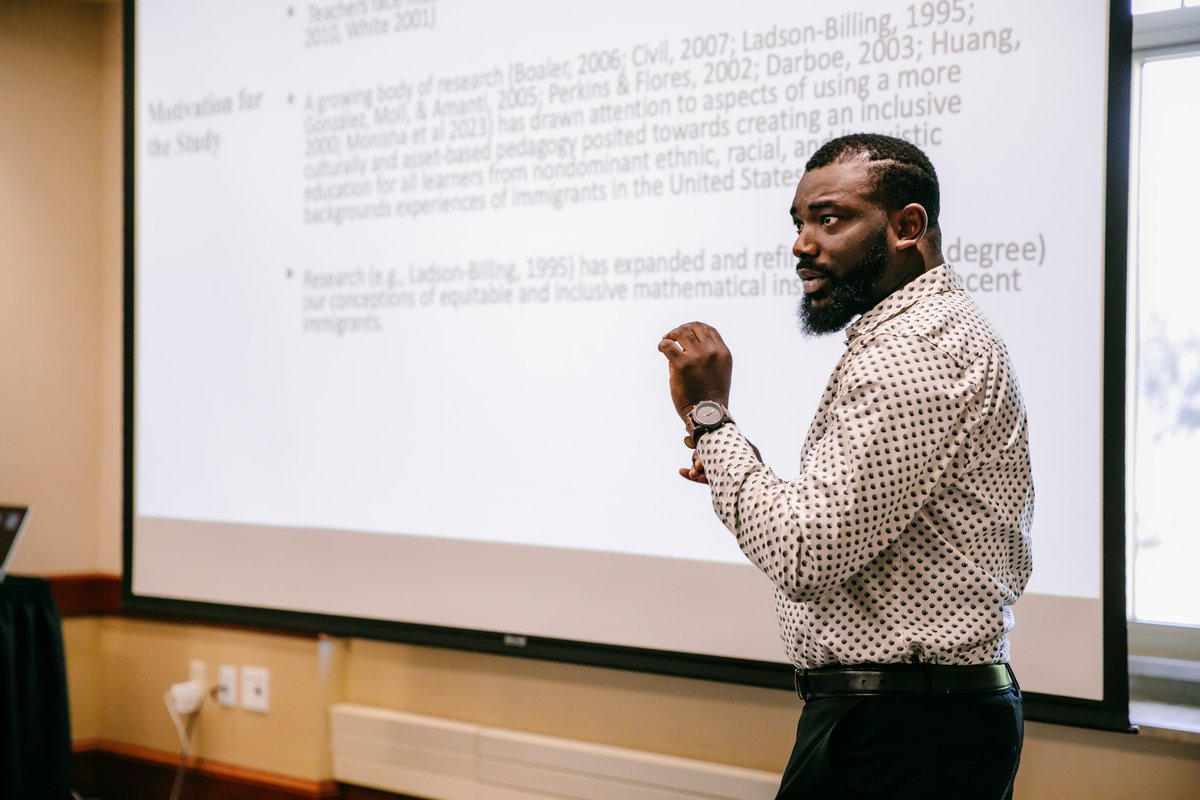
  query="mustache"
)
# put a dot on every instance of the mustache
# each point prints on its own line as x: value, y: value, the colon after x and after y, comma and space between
x: 804, y: 263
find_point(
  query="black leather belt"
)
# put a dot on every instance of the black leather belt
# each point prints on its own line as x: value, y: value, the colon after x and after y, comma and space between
x: 902, y: 679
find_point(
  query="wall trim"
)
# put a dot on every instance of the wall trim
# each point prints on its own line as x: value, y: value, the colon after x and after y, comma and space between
x: 99, y: 594
x: 86, y: 594
x: 105, y: 768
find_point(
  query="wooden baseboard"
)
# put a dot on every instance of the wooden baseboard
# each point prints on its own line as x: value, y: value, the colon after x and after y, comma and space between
x: 113, y: 771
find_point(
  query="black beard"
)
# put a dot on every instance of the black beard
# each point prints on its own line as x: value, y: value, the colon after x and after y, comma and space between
x: 850, y: 295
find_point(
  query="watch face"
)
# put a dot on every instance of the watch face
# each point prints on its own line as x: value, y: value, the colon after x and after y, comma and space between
x: 707, y: 413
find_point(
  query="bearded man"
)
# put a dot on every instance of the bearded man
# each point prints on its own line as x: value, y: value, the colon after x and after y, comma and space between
x: 899, y: 550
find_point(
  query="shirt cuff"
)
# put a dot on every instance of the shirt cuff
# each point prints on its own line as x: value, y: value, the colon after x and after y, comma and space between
x: 723, y: 449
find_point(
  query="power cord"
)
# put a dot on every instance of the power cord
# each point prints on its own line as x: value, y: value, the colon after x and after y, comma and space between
x: 184, y: 729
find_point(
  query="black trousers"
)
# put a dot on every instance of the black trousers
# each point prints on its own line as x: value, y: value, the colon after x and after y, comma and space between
x: 957, y: 747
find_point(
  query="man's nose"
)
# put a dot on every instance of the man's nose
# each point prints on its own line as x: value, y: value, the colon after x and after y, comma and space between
x: 804, y: 246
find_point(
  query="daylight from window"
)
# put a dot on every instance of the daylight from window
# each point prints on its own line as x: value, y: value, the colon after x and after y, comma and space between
x: 1147, y: 6
x: 1165, y: 340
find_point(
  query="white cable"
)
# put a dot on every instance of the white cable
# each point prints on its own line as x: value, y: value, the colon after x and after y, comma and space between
x: 185, y: 742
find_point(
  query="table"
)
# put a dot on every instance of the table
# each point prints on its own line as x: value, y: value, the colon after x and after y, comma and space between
x: 35, y: 722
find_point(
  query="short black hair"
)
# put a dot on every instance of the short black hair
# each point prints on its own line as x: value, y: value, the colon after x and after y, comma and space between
x: 900, y: 172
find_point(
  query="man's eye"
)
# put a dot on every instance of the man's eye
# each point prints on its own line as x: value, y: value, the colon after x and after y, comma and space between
x: 828, y: 219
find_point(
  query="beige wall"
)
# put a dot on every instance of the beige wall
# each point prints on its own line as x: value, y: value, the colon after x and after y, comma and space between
x: 138, y: 660
x: 695, y: 719
x: 110, y: 264
x: 129, y: 663
x: 60, y: 271
x: 51, y: 211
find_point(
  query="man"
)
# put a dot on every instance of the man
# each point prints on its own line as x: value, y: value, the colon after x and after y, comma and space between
x: 898, y: 550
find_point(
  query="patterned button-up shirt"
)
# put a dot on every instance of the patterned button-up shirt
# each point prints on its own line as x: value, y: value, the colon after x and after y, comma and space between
x: 906, y: 535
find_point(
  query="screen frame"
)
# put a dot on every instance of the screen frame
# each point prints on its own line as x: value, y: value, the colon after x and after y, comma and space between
x: 1110, y: 713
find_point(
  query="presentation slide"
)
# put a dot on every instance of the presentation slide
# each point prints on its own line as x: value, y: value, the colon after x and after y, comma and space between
x: 401, y: 267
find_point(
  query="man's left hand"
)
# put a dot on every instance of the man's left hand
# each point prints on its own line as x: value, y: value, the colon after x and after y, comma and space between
x: 701, y: 366
x: 695, y: 472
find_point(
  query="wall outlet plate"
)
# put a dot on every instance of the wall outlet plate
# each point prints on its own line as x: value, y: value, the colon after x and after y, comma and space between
x: 256, y: 689
x: 227, y: 685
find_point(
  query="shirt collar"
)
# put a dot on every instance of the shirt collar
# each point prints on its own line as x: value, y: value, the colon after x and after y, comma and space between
x: 938, y: 280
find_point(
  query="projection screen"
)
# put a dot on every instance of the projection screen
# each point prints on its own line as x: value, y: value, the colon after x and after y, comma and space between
x: 397, y: 269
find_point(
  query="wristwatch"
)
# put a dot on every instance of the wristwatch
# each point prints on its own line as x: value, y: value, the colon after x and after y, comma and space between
x: 705, y: 416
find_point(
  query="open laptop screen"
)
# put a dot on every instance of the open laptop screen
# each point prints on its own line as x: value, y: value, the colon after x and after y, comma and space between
x: 12, y: 525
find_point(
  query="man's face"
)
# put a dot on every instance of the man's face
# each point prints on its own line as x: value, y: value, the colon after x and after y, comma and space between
x: 842, y: 246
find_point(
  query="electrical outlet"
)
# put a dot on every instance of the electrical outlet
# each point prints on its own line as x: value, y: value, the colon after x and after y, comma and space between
x: 227, y: 681
x: 256, y: 689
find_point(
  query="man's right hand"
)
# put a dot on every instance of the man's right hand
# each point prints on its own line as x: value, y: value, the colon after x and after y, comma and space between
x: 699, y: 365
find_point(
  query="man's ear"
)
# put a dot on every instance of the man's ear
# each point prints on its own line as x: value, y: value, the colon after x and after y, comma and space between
x: 910, y: 224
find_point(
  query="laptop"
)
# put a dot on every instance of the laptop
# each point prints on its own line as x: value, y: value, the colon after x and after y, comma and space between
x: 13, y: 520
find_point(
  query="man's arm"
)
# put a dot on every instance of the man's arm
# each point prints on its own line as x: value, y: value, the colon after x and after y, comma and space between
x: 700, y: 368
x: 888, y: 434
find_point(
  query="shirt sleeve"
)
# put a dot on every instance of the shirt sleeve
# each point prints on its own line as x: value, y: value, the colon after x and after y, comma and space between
x: 888, y: 428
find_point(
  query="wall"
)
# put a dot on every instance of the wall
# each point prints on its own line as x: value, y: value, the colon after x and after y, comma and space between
x: 60, y: 323
x: 51, y: 200
x: 111, y: 265
x: 140, y: 659
x: 695, y: 719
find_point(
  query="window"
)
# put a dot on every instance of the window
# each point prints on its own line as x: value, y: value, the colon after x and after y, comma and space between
x: 1164, y: 332
x: 1147, y: 6
x: 1166, y: 440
